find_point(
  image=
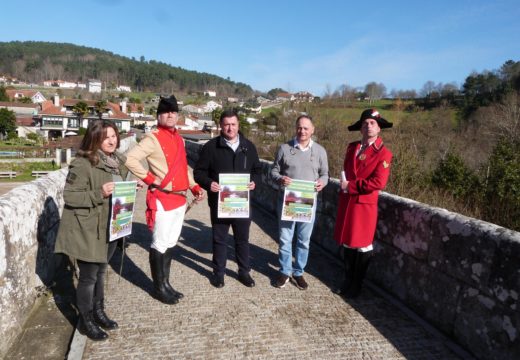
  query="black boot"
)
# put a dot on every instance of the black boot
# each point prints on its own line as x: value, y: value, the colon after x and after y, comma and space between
x: 360, y: 270
x: 349, y: 259
x: 157, y: 266
x: 168, y: 255
x: 101, y: 318
x: 89, y: 328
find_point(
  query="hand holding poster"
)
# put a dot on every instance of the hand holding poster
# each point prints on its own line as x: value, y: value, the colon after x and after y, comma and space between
x: 299, y: 201
x: 123, y: 200
x: 233, y: 198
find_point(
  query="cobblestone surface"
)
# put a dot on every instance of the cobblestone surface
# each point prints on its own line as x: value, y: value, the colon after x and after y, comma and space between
x: 237, y: 322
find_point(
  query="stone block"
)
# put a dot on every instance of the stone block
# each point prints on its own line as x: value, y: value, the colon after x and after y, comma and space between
x: 405, y: 224
x: 504, y: 278
x: 486, y: 327
x: 462, y: 247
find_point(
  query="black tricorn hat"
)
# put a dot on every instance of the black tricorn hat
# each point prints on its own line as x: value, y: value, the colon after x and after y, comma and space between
x: 167, y: 105
x: 370, y: 114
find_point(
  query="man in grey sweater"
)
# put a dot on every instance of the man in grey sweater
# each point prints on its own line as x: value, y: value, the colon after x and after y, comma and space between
x: 301, y: 159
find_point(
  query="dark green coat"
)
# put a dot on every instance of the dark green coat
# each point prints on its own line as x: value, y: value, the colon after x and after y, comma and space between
x: 83, y: 228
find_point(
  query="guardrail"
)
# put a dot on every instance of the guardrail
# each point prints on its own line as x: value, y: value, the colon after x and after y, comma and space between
x: 7, y: 174
x: 39, y: 173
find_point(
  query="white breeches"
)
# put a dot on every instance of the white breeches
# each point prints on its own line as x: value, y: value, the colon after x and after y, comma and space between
x: 168, y: 226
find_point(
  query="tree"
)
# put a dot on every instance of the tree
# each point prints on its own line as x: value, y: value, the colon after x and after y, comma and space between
x: 25, y: 100
x: 375, y: 91
x: 427, y: 89
x: 453, y: 175
x: 502, y: 193
x: 3, y: 94
x: 100, y: 108
x: 7, y: 121
x: 80, y: 109
x: 273, y: 93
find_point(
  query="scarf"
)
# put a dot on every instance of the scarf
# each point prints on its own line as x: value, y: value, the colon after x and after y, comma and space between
x: 111, y: 162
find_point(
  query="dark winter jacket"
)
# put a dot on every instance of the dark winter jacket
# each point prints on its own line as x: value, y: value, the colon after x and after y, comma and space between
x: 83, y: 228
x: 217, y: 157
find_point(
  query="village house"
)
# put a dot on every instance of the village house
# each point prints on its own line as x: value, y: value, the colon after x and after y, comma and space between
x: 123, y: 88
x: 64, y: 84
x: 94, y: 86
x: 285, y: 96
x: 303, y: 96
x: 58, y: 118
x: 20, y: 108
x: 35, y: 96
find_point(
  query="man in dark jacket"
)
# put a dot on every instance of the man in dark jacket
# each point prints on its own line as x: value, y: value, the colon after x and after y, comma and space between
x: 228, y: 153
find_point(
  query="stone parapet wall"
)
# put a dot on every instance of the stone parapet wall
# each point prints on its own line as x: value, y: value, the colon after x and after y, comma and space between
x: 29, y: 221
x: 460, y: 274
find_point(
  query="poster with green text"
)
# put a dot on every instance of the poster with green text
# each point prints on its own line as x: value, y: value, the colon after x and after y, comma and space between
x: 122, y: 210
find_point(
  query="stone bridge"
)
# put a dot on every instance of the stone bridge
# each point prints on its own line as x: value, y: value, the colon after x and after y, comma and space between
x: 441, y: 286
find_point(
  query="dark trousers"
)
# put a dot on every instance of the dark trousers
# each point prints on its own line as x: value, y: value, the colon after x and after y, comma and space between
x: 220, y: 229
x: 91, y: 281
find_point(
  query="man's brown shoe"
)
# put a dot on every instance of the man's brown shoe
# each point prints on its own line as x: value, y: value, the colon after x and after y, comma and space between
x: 300, y: 282
x: 281, y: 281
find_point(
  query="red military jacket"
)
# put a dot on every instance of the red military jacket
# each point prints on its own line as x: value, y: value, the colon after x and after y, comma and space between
x: 366, y: 173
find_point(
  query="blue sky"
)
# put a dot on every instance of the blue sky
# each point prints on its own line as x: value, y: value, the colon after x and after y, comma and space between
x: 295, y: 45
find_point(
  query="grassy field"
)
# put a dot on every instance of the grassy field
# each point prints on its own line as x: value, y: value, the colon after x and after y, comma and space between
x: 24, y: 170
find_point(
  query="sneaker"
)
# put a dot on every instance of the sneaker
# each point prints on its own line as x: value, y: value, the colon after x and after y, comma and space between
x: 247, y: 280
x: 281, y: 281
x: 300, y: 282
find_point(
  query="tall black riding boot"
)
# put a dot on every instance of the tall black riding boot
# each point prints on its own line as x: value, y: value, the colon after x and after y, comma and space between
x: 360, y: 269
x: 168, y: 255
x: 349, y: 258
x: 89, y: 328
x: 101, y: 318
x: 157, y: 266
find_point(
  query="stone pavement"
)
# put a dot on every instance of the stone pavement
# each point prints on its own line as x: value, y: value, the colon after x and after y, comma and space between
x: 237, y: 322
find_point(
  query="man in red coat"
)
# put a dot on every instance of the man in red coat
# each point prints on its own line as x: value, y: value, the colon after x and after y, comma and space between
x: 366, y: 170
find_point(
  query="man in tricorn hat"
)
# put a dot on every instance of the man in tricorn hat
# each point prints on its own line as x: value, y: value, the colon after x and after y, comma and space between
x: 365, y: 171
x: 168, y: 179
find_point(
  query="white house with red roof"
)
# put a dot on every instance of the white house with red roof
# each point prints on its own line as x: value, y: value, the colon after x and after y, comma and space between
x: 58, y: 119
x: 35, y: 96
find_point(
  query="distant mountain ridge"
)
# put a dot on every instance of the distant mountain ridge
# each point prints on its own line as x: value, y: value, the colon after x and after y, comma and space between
x: 36, y: 61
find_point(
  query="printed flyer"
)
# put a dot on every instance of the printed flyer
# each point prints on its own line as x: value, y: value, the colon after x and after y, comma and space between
x: 299, y: 201
x: 233, y: 198
x: 123, y: 200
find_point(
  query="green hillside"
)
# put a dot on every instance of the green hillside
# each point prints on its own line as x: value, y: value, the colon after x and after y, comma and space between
x: 34, y: 62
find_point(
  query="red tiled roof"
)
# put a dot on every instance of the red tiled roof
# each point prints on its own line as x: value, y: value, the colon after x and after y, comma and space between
x: 48, y: 108
x: 18, y: 104
x: 27, y: 93
x: 116, y: 113
x: 24, y: 121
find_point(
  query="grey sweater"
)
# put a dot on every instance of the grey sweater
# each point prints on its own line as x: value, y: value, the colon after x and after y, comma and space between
x: 308, y: 165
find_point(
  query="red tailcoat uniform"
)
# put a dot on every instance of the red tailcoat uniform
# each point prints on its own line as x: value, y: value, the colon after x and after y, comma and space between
x: 367, y: 173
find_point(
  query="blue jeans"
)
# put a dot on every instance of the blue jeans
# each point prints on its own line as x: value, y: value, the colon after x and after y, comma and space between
x: 287, y: 229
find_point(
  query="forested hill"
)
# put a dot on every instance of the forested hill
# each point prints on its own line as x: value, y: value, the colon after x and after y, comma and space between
x: 34, y: 61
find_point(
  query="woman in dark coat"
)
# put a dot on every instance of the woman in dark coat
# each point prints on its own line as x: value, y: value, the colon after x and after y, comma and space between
x: 83, y: 232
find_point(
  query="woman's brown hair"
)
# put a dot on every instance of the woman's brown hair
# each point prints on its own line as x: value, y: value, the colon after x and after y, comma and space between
x: 96, y: 134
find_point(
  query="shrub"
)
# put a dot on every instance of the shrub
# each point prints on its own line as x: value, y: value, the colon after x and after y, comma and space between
x: 453, y: 175
x: 502, y: 187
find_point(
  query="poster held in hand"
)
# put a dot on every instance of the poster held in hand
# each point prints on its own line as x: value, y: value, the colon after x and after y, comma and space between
x: 122, y: 209
x: 233, y: 198
x: 299, y: 201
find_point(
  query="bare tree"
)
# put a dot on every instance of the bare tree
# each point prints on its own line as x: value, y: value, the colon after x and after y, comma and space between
x: 375, y: 91
x: 506, y: 116
x: 427, y: 89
